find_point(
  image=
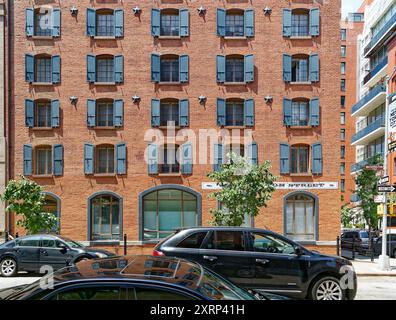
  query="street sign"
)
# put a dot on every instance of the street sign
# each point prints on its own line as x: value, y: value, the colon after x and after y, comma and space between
x: 383, y: 180
x: 392, y: 146
x: 386, y: 188
x: 375, y: 168
x: 380, y: 198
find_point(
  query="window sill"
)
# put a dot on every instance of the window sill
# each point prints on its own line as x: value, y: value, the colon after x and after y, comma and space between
x: 104, y: 83
x: 103, y: 128
x: 234, y: 127
x: 46, y: 84
x: 301, y: 37
x: 104, y: 175
x: 169, y: 37
x: 300, y: 127
x: 235, y: 38
x: 235, y: 83
x: 42, y: 37
x: 167, y: 127
x: 301, y: 83
x: 42, y: 176
x: 105, y: 37
x: 169, y: 83
x: 301, y: 174
x: 170, y: 174
x: 42, y: 128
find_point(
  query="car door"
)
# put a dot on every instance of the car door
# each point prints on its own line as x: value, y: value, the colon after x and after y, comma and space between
x: 52, y: 254
x: 27, y: 251
x: 225, y: 253
x: 277, y: 267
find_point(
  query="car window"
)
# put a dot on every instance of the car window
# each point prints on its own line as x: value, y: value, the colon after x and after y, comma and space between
x: 90, y: 293
x: 364, y: 235
x: 227, y: 240
x: 270, y: 244
x: 48, y: 243
x: 156, y: 294
x: 30, y: 242
x: 194, y: 241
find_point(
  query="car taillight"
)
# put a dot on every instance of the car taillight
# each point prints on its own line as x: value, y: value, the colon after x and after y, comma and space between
x: 157, y: 253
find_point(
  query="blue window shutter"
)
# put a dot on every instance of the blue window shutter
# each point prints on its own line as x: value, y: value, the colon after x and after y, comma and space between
x: 56, y: 69
x: 91, y: 22
x: 249, y: 23
x: 91, y: 113
x: 314, y: 67
x: 119, y: 23
x: 249, y: 68
x: 187, y: 158
x: 155, y: 22
x: 220, y: 68
x: 287, y: 112
x: 155, y: 112
x: 221, y: 112
x: 184, y: 22
x: 314, y: 18
x: 56, y: 22
x: 118, y: 113
x: 89, y: 150
x: 27, y: 160
x: 152, y: 158
x: 252, y: 151
x: 317, y: 163
x: 221, y: 22
x: 155, y: 67
x: 57, y: 158
x: 29, y: 113
x: 29, y: 68
x: 218, y: 157
x: 314, y: 113
x: 119, y: 69
x: 287, y: 22
x: 284, y: 158
x: 121, y: 158
x: 29, y: 26
x: 55, y: 114
x: 287, y: 66
x: 183, y: 68
x: 249, y: 113
x: 184, y: 113
x: 91, y: 68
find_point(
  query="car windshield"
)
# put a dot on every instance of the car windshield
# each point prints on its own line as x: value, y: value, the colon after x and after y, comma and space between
x: 72, y: 243
x: 364, y: 234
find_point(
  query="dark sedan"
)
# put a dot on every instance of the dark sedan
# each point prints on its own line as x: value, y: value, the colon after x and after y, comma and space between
x: 131, y: 278
x: 263, y: 260
x: 391, y: 245
x: 31, y: 253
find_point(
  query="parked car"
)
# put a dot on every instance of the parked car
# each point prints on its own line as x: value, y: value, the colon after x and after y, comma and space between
x: 30, y: 253
x: 263, y: 260
x: 359, y: 239
x: 391, y: 245
x: 132, y: 278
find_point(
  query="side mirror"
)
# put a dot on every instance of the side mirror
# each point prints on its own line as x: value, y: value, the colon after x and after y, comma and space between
x: 62, y: 248
x: 298, y: 251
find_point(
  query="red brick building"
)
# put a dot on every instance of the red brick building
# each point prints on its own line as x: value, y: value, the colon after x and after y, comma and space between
x: 86, y: 91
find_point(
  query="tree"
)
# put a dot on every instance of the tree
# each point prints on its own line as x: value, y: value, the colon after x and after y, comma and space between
x: 26, y: 199
x: 346, y: 216
x: 245, y: 189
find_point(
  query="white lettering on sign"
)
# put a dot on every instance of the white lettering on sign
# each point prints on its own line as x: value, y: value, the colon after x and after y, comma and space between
x: 392, y: 122
x: 286, y: 185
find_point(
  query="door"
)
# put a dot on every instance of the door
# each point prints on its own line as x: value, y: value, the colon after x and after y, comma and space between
x: 52, y: 255
x: 225, y: 253
x: 276, y: 266
x: 27, y: 251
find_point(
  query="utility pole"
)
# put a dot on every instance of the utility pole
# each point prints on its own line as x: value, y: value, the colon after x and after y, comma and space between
x: 384, y: 261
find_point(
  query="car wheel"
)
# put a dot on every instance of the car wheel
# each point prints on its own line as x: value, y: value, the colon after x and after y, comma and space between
x: 327, y: 288
x: 8, y: 267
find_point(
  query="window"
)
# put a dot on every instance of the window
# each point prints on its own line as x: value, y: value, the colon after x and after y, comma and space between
x: 342, y: 168
x: 234, y: 113
x: 105, y: 217
x: 105, y: 159
x: 28, y: 242
x: 169, y: 163
x: 105, y: 69
x: 104, y: 113
x: 342, y: 185
x: 43, y: 72
x: 157, y: 294
x: 342, y: 152
x: 238, y: 149
x: 300, y: 23
x: 42, y: 22
x: 343, y: 67
x: 227, y: 240
x: 343, y: 34
x: 166, y: 210
x: 299, y: 159
x: 94, y: 293
x: 343, y: 51
x: 169, y: 113
x: 169, y: 23
x: 235, y: 69
x: 51, y: 206
x: 342, y: 101
x: 194, y: 241
x: 343, y: 84
x: 300, y: 69
x: 270, y: 244
x: 43, y: 160
x: 300, y: 113
x: 342, y: 117
x: 342, y: 134
x: 42, y: 117
x: 104, y: 23
x: 169, y: 69
x: 234, y: 24
x: 300, y: 217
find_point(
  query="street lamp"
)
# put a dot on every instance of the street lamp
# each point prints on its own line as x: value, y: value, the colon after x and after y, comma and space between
x: 384, y: 261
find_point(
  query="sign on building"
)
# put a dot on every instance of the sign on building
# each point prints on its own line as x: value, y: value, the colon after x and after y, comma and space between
x: 392, y: 126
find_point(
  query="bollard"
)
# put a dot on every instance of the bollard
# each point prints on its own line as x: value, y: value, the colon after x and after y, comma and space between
x: 6, y: 236
x: 17, y: 235
x: 338, y: 246
x: 353, y: 248
x: 372, y: 249
x: 125, y: 244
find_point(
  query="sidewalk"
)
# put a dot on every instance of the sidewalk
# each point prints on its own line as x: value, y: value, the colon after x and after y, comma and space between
x: 364, y: 267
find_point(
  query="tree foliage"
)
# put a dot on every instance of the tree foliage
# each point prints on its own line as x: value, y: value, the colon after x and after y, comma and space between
x: 25, y: 198
x: 245, y: 188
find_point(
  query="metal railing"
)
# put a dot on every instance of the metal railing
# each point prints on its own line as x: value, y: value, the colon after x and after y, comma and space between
x: 367, y: 98
x: 375, y: 70
x: 361, y: 164
x: 379, y: 123
x: 387, y: 28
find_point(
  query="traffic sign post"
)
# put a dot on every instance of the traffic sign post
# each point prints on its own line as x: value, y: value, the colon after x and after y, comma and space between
x: 386, y: 188
x: 383, y: 180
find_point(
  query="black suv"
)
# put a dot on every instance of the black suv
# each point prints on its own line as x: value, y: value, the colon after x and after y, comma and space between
x: 263, y: 260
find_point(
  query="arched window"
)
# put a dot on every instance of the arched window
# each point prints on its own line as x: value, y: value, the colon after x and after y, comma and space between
x: 42, y: 22
x: 52, y: 205
x: 169, y: 159
x: 169, y: 68
x: 301, y: 217
x: 169, y: 112
x: 300, y: 23
x: 105, y: 217
x: 170, y: 22
x: 104, y: 113
x: 300, y: 112
x: 43, y: 160
x: 105, y: 23
x: 234, y: 23
x: 299, y: 157
x: 300, y: 68
x: 42, y: 113
x: 235, y: 111
x: 105, y: 68
x: 105, y: 159
x: 167, y: 209
x: 235, y: 68
x: 43, y: 68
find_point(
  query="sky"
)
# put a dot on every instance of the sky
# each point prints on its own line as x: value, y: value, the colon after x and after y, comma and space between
x: 350, y: 6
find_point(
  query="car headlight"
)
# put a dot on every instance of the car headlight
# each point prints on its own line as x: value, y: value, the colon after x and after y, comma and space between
x: 101, y: 255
